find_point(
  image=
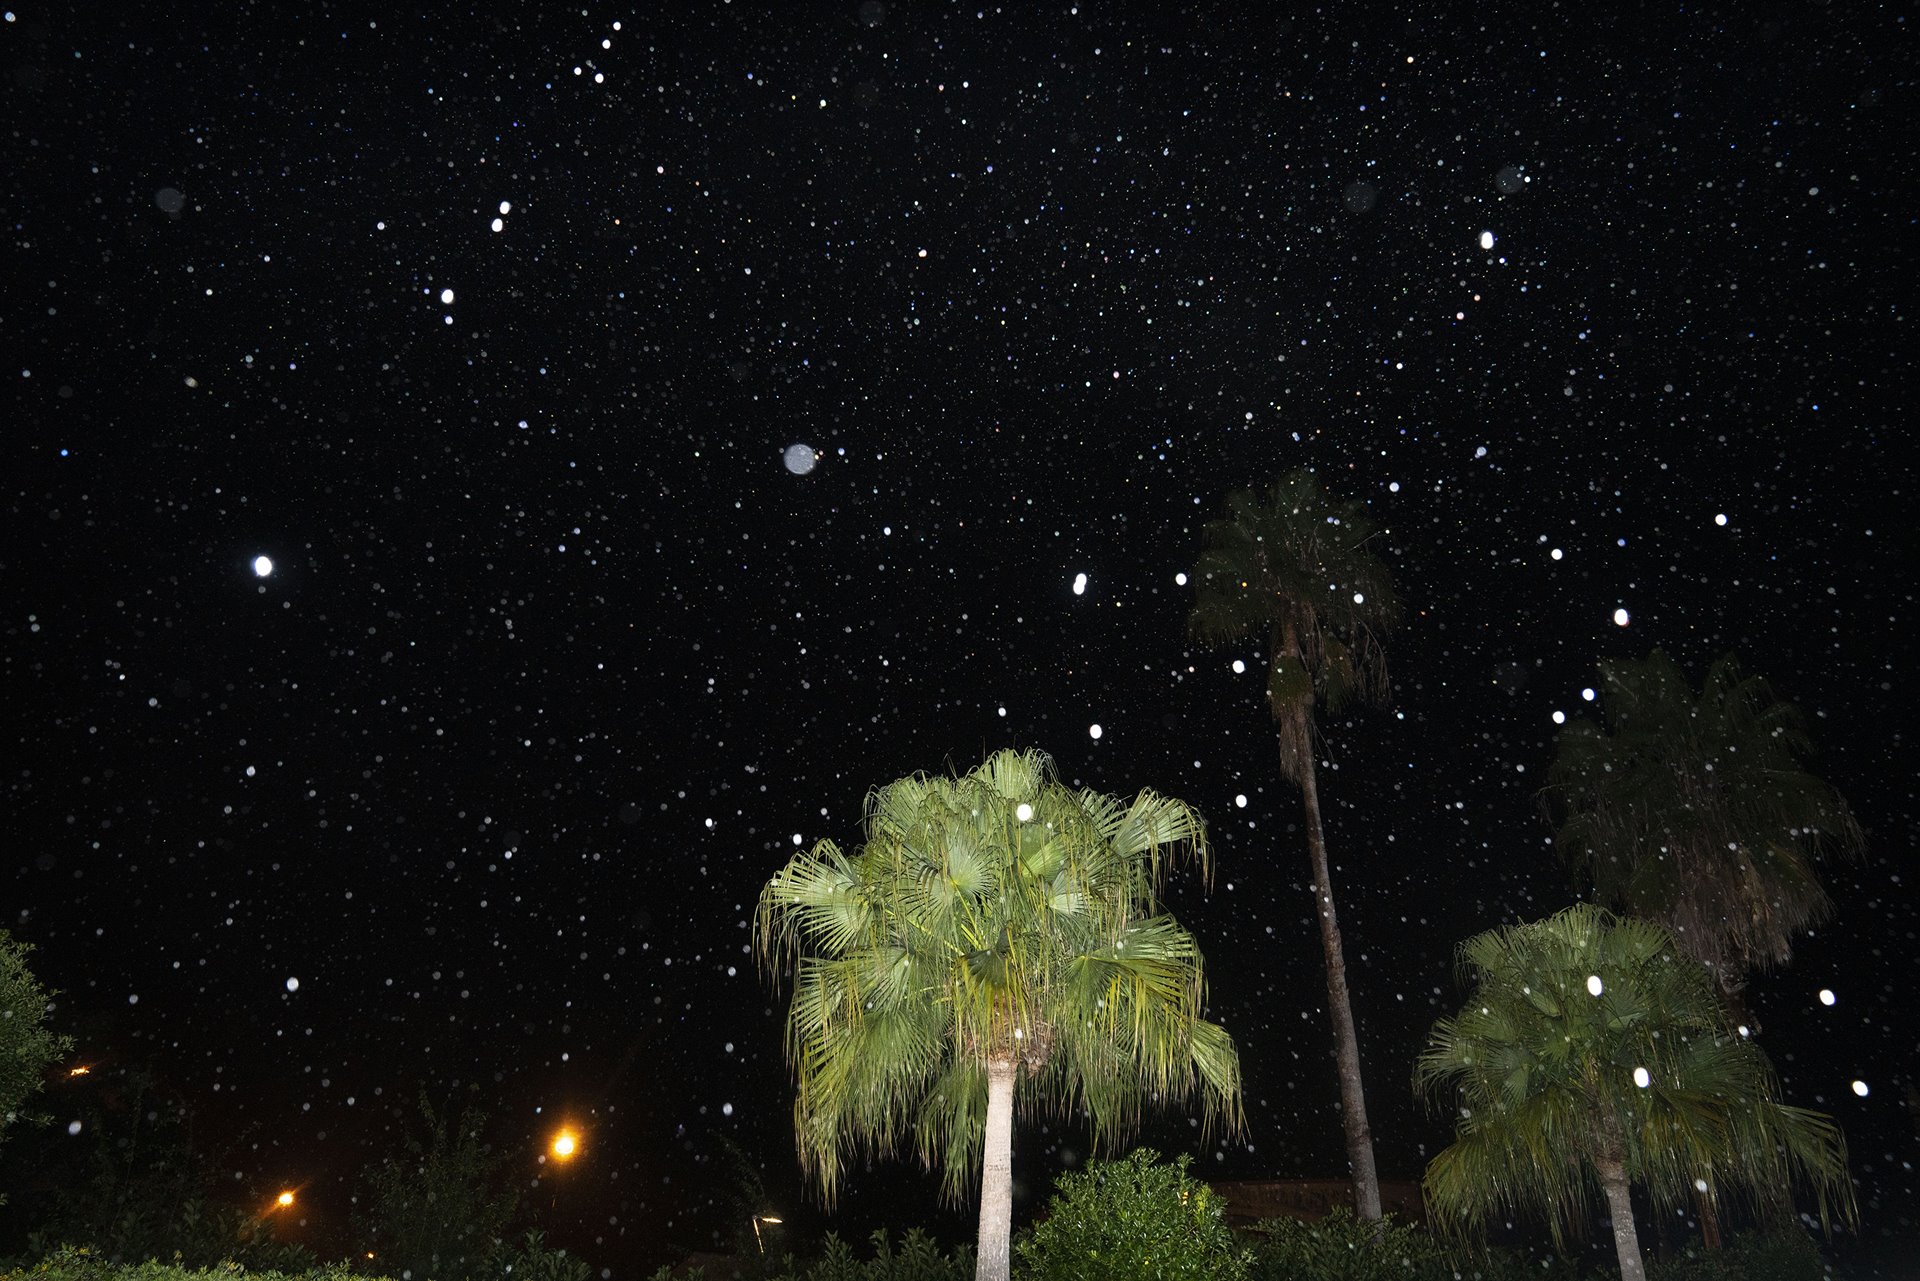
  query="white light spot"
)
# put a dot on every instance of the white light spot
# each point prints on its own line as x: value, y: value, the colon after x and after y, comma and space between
x: 1620, y: 618
x: 499, y: 224
x: 1094, y: 731
x: 923, y: 253
x: 1699, y: 1185
x: 1180, y: 580
x: 1642, y: 1078
x: 796, y: 838
x: 1023, y: 812
x: 263, y: 565
x: 73, y: 1127
x: 506, y: 207
x: 293, y: 985
x: 726, y: 1109
x: 1559, y: 718
x: 251, y: 771
x: 1079, y: 584
x: 446, y: 297
x: 799, y: 459
x: 1860, y: 1088
x: 1720, y: 519
x: 1239, y: 667
x: 1359, y: 598
x: 1594, y: 985
x: 1240, y: 801
x: 1486, y: 240
x: 1587, y: 694
x: 1556, y: 553
x: 1003, y: 711
x: 1826, y: 996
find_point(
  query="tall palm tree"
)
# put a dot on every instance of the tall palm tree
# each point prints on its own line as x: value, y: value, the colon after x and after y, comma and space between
x: 997, y: 938
x: 1697, y: 812
x: 1291, y: 566
x: 1592, y: 1051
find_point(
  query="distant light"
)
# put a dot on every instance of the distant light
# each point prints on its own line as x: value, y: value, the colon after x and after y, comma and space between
x: 565, y: 1145
x: 1023, y: 812
x: 1720, y: 519
x: 499, y: 224
x: 1556, y: 553
x: 1559, y: 718
x: 1180, y: 580
x: 797, y: 838
x: 1486, y: 240
x: 446, y: 297
x: 1620, y: 618
x: 1642, y: 1078
x: 1240, y: 801
x: 1860, y: 1088
x: 1094, y: 731
x: 284, y: 1199
x: 1003, y: 711
x: 799, y: 458
x: 82, y: 1070
x: 1587, y: 694
x: 263, y: 565
x: 1594, y: 985
x: 73, y: 1127
x: 1826, y: 996
x: 506, y: 207
x: 1079, y: 584
x: 1239, y: 667
x: 293, y: 985
x: 1359, y: 599
x: 1699, y: 1185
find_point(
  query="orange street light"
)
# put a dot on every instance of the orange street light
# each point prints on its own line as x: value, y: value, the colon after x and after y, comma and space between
x: 758, y: 1219
x: 82, y: 1070
x: 565, y: 1145
x: 284, y: 1200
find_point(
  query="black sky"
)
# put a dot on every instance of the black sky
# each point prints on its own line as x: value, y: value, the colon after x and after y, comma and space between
x: 557, y: 656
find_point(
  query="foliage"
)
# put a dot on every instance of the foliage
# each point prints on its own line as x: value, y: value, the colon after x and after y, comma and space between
x: 135, y: 1185
x: 1698, y: 813
x: 438, y: 1212
x: 1291, y: 566
x: 74, y: 1264
x: 1342, y: 1247
x: 1000, y: 915
x: 1134, y: 1217
x: 1789, y: 1255
x: 27, y: 1047
x: 918, y: 1258
x: 1589, y: 1042
x: 530, y: 1260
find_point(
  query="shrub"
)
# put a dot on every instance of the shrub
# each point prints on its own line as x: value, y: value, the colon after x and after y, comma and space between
x: 917, y: 1259
x: 1777, y: 1256
x: 1341, y: 1247
x: 1135, y: 1217
x: 72, y: 1264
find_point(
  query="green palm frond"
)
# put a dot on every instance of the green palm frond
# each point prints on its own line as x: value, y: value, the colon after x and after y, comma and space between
x: 1587, y: 1037
x: 992, y: 914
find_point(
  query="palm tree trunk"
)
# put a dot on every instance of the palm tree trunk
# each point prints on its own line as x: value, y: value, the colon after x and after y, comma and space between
x: 995, y: 1259
x: 1346, y: 1042
x: 1626, y: 1238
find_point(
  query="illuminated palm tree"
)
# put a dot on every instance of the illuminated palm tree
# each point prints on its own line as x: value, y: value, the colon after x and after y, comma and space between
x: 1697, y: 812
x: 1291, y: 566
x: 998, y: 938
x: 1592, y: 1051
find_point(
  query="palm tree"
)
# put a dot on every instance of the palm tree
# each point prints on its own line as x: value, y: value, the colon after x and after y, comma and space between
x: 1292, y: 565
x: 997, y: 938
x: 1698, y: 814
x: 1591, y: 1050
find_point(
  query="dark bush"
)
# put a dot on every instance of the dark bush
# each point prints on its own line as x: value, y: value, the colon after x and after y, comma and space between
x: 1779, y: 1256
x: 1342, y: 1248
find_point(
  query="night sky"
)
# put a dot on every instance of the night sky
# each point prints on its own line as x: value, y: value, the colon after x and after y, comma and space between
x: 498, y: 336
